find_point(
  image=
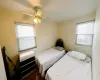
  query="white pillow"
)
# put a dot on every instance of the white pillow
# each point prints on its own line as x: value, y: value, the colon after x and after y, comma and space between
x: 59, y: 48
x: 77, y: 55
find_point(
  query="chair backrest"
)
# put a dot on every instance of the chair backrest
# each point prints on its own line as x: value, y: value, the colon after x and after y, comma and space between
x: 6, y: 63
x: 16, y: 71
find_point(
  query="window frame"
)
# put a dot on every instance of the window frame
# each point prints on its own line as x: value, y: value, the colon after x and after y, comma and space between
x: 16, y: 23
x: 84, y: 34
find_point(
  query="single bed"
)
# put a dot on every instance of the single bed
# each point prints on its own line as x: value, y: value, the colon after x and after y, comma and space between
x: 47, y: 58
x: 69, y: 68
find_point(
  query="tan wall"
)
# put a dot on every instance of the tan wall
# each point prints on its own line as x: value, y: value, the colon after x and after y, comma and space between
x: 96, y: 46
x: 46, y: 32
x: 67, y: 30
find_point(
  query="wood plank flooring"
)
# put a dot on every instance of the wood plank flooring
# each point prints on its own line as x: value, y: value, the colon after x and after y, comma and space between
x: 35, y: 75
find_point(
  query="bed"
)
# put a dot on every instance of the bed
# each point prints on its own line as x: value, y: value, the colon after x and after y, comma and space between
x: 69, y: 68
x: 47, y: 58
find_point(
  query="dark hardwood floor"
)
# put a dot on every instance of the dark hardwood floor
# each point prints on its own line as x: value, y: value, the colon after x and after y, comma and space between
x: 35, y: 75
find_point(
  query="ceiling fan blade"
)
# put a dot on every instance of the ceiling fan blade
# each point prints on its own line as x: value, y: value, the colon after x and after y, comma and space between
x: 24, y: 2
x: 27, y: 13
x: 45, y: 18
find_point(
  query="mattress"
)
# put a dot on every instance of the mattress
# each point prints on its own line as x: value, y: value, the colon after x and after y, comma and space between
x: 47, y: 58
x: 68, y: 68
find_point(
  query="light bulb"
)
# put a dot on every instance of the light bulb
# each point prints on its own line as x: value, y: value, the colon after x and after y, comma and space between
x: 35, y: 20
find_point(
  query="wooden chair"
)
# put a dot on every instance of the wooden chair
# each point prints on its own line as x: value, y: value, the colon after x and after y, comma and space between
x: 15, y: 74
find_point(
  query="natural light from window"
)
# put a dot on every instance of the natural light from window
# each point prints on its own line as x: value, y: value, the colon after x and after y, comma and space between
x: 84, y: 32
x: 26, y: 38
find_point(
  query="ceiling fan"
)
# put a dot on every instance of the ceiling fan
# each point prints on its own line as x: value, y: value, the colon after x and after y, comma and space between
x: 37, y: 16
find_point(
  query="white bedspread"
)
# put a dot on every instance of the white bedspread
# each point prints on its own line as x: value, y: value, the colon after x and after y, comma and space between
x: 47, y: 58
x: 68, y: 68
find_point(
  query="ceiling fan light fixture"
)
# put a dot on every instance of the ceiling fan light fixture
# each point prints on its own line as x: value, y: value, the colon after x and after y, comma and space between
x: 37, y: 20
x: 37, y: 16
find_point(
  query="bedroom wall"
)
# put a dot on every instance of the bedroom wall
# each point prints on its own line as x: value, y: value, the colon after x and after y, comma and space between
x: 67, y: 30
x: 96, y: 46
x: 46, y: 32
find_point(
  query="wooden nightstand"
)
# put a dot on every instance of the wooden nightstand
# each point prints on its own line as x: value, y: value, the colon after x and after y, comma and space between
x: 27, y: 63
x: 27, y: 66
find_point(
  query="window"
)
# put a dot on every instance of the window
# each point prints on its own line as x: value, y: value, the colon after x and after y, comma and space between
x: 84, y: 32
x: 84, y: 37
x: 26, y: 38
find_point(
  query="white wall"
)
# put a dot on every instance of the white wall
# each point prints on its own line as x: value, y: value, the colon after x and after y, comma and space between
x: 96, y: 46
x: 2, y: 69
x: 46, y: 35
x: 67, y: 30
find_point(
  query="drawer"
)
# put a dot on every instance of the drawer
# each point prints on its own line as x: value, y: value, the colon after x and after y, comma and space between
x: 24, y: 67
x: 27, y: 71
x: 27, y: 61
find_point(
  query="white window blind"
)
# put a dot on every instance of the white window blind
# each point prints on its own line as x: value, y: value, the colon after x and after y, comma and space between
x: 84, y: 32
x: 26, y: 37
x: 85, y: 28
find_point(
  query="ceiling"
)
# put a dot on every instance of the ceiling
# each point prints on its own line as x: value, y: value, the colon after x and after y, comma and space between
x: 57, y: 10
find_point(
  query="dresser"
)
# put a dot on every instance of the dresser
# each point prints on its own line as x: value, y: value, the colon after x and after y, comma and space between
x: 27, y: 63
